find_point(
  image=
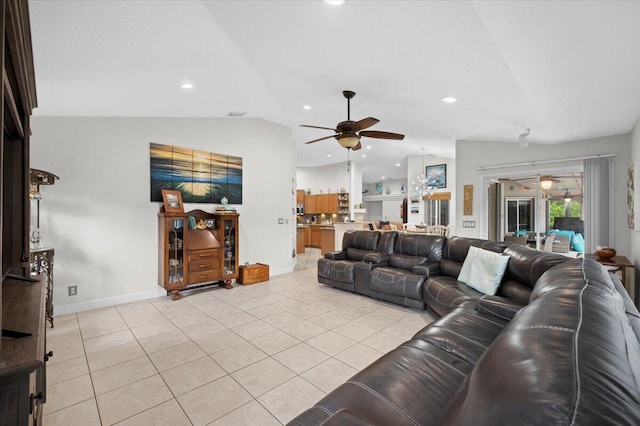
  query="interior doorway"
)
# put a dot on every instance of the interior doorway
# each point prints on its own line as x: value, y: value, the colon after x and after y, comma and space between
x: 532, y: 203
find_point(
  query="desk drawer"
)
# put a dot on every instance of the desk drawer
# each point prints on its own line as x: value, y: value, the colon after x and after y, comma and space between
x: 204, y: 276
x: 203, y: 265
x: 197, y: 255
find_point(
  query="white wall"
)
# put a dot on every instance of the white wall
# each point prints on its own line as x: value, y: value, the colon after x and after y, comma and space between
x: 470, y: 155
x: 98, y: 215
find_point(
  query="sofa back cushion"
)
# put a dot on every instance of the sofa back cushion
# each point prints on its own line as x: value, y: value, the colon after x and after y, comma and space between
x: 364, y: 240
x: 429, y: 246
x: 456, y: 249
x: 414, y: 249
x: 387, y: 241
x: 525, y: 267
x: 569, y: 357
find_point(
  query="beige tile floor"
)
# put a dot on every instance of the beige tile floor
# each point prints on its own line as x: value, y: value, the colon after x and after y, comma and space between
x: 254, y: 355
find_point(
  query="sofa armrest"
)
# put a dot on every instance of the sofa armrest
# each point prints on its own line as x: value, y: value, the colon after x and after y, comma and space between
x: 379, y: 259
x: 428, y: 269
x: 499, y: 306
x: 336, y: 255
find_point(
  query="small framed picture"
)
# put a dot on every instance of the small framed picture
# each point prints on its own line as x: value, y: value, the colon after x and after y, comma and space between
x: 211, y: 223
x: 172, y: 201
x: 437, y: 176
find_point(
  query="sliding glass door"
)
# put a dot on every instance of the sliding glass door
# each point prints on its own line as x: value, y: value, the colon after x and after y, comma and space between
x: 520, y: 214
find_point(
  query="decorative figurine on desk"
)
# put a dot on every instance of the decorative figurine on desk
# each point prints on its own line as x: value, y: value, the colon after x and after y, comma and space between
x: 224, y: 202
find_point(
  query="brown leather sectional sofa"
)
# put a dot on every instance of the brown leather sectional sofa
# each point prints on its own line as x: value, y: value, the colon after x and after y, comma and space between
x: 558, y: 344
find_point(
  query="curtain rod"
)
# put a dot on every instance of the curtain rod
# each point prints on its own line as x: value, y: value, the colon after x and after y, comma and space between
x: 533, y: 163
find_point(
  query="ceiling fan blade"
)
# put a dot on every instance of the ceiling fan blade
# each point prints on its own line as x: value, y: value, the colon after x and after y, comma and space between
x: 321, y: 139
x: 365, y: 123
x: 357, y: 147
x: 381, y: 135
x: 318, y: 127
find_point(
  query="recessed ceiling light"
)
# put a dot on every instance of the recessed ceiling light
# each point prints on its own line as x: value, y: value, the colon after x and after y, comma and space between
x: 306, y: 106
x: 383, y: 177
x: 237, y: 114
x: 448, y: 99
x: 334, y: 2
x: 368, y: 146
x: 397, y: 164
x: 328, y: 155
x: 364, y: 155
x: 187, y: 85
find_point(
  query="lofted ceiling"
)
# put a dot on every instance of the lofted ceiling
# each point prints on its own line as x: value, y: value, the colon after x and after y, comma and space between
x: 567, y: 70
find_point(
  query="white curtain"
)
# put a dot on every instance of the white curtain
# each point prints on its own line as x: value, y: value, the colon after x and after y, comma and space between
x: 598, y: 203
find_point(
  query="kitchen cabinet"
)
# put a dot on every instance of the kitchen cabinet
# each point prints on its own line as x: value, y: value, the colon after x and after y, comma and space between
x: 322, y: 203
x: 327, y: 240
x: 307, y: 236
x: 300, y: 239
x: 327, y: 203
x: 310, y: 204
x: 315, y: 236
x: 300, y: 196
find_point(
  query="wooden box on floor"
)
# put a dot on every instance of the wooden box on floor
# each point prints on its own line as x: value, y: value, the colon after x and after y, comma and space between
x: 252, y: 274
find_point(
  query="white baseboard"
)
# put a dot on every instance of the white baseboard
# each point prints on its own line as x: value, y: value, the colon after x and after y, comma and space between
x: 134, y: 297
x: 109, y: 301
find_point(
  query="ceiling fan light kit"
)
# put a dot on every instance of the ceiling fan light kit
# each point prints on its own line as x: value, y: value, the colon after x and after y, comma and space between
x: 546, y: 182
x: 348, y: 133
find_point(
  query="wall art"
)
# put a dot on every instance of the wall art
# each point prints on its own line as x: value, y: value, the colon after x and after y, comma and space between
x: 633, y: 197
x: 199, y: 176
x: 437, y: 176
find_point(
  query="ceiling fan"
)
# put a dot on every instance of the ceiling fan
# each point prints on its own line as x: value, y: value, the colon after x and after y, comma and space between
x: 348, y: 133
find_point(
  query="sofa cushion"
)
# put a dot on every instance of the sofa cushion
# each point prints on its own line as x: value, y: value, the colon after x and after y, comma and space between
x: 356, y: 253
x: 429, y: 246
x: 465, y: 332
x: 456, y: 248
x: 442, y: 293
x: 405, y: 261
x: 526, y: 264
x: 365, y: 240
x: 397, y: 282
x: 336, y: 270
x: 483, y: 270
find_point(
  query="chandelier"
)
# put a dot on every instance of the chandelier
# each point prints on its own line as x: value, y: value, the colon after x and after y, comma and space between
x: 421, y: 186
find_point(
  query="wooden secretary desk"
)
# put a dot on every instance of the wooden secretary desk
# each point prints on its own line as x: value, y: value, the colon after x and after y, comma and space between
x: 197, y: 249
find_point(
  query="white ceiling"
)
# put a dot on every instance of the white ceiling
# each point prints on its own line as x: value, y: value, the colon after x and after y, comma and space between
x: 568, y: 70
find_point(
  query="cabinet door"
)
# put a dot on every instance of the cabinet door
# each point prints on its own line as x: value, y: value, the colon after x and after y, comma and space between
x: 300, y: 195
x: 310, y: 204
x: 307, y: 236
x: 315, y: 236
x: 172, y: 253
x: 322, y: 204
x: 333, y: 203
x: 228, y: 228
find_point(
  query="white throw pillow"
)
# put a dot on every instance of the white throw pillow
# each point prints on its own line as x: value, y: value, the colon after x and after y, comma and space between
x: 485, y: 270
x: 465, y: 271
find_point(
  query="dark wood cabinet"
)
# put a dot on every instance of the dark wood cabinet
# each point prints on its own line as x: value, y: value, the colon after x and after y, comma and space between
x: 197, y: 249
x: 22, y: 311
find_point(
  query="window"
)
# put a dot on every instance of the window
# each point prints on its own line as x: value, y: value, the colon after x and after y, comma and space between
x: 437, y: 212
